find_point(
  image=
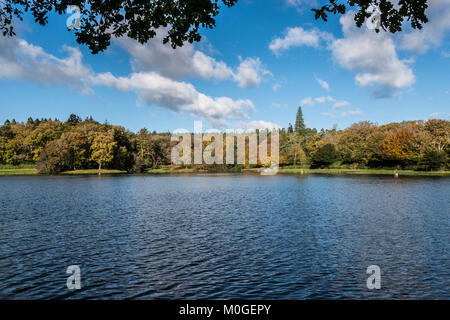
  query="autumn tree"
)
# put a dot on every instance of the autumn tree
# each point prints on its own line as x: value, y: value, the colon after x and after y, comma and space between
x: 103, y: 149
x: 352, y: 143
x: 79, y: 146
x: 393, y: 148
x: 440, y: 131
x: 54, y: 158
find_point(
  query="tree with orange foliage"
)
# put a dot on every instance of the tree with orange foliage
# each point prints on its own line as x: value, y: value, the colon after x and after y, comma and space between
x: 393, y: 146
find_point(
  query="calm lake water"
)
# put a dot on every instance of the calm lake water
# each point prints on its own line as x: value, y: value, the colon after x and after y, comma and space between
x: 224, y: 237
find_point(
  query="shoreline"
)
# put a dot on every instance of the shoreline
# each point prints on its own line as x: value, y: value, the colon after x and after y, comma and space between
x: 256, y: 171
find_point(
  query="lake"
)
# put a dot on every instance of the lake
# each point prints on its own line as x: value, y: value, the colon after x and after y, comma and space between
x: 224, y: 237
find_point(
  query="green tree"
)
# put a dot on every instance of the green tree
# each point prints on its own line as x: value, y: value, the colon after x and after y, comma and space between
x: 433, y: 160
x: 73, y: 120
x: 54, y: 158
x: 103, y: 149
x: 290, y: 128
x: 300, y: 122
x: 325, y: 156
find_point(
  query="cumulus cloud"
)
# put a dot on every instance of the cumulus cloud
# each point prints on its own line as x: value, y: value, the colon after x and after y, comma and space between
x: 183, y: 62
x: 433, y: 32
x: 23, y: 61
x: 187, y: 62
x: 153, y: 88
x: 250, y: 73
x: 296, y: 37
x: 372, y: 56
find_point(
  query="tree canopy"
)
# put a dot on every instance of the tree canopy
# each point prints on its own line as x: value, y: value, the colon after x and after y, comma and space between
x: 392, y: 15
x: 56, y: 146
x: 139, y: 20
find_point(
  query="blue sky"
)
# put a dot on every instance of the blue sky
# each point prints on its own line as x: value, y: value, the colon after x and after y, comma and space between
x: 263, y: 60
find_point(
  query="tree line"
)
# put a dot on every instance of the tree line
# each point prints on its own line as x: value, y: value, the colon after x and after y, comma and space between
x: 55, y: 146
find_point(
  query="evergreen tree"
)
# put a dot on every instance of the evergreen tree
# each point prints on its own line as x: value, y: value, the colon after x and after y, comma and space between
x: 73, y: 120
x: 290, y: 129
x: 299, y: 121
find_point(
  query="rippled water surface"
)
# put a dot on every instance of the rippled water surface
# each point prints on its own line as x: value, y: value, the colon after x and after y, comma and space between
x: 224, y: 237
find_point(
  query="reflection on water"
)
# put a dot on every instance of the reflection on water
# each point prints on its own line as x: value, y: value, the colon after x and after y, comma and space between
x: 224, y: 237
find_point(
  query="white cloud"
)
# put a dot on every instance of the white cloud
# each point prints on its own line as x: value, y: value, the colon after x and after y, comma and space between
x: 437, y: 115
x: 336, y: 107
x: 324, y: 99
x: 187, y: 62
x: 302, y: 4
x: 296, y: 37
x: 250, y: 73
x: 373, y: 56
x: 276, y: 86
x: 323, y: 84
x: 341, y: 104
x: 309, y: 101
x: 433, y: 32
x: 176, y: 96
x: 343, y: 114
x: 23, y: 61
x: 183, y: 62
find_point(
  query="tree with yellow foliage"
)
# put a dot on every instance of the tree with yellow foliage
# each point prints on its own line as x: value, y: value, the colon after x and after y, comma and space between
x: 102, y: 149
x: 393, y: 147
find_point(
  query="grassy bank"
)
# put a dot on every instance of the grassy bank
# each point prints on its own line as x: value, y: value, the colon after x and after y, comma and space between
x: 91, y: 172
x: 23, y: 170
x: 30, y: 170
x: 169, y: 170
x: 18, y: 172
x: 364, y: 171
